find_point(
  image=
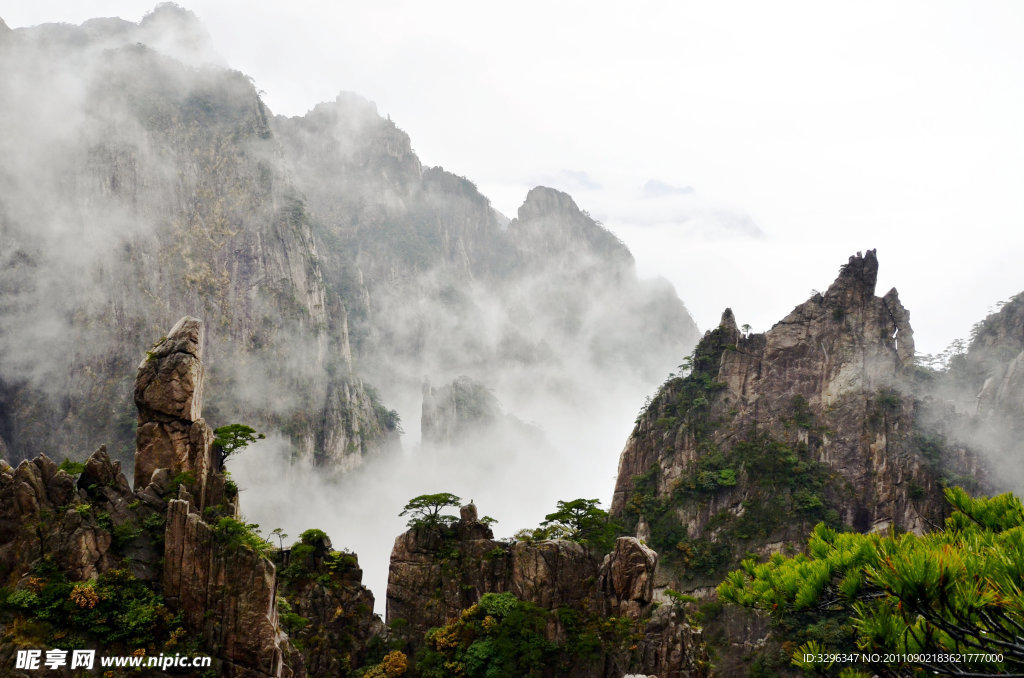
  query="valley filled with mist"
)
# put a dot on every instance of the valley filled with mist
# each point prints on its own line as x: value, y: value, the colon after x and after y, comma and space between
x: 394, y: 335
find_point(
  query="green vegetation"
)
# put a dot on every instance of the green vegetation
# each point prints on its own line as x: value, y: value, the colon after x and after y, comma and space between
x: 579, y: 520
x: 389, y: 419
x: 783, y: 487
x: 115, y: 610
x: 956, y: 590
x: 505, y: 637
x: 236, y: 534
x: 72, y: 468
x: 425, y: 511
x: 292, y: 623
x: 234, y: 437
x: 308, y: 559
x: 186, y: 478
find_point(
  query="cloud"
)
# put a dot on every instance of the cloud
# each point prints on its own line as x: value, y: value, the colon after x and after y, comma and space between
x: 657, y: 189
x: 570, y: 181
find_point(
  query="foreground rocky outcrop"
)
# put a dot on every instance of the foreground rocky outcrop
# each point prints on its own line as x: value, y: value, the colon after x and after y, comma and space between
x: 171, y: 433
x: 326, y: 610
x: 439, y: 573
x: 815, y: 419
x: 167, y: 567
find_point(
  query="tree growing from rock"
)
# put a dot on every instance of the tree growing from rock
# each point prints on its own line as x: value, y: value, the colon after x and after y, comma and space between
x: 234, y: 437
x: 579, y: 520
x: 426, y: 510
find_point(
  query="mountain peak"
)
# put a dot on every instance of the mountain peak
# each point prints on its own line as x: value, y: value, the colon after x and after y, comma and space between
x: 553, y: 222
x: 728, y: 321
x: 856, y: 278
x: 177, y: 32
x: 542, y: 201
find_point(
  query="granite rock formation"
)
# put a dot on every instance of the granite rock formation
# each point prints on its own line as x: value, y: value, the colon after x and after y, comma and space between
x: 175, y: 536
x: 171, y: 433
x: 329, y: 612
x: 450, y: 412
x: 831, y: 377
x: 438, y: 573
x: 164, y: 193
x: 767, y: 434
x: 312, y: 244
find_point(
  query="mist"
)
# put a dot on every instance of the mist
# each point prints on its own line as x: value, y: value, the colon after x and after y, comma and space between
x: 513, y: 471
x: 338, y: 273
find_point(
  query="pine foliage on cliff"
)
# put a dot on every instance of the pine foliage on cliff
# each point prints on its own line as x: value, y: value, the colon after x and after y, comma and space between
x: 933, y: 601
x: 504, y: 637
x: 784, y: 487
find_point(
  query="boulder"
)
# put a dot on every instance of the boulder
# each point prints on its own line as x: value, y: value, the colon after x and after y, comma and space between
x: 171, y: 433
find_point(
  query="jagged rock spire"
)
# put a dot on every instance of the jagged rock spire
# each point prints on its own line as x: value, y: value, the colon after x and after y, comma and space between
x: 170, y: 379
x: 856, y: 280
x: 171, y: 433
x: 728, y: 321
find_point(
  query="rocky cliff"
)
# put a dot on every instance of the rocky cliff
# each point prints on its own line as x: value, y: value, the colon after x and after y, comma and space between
x: 325, y: 609
x: 978, y: 396
x: 442, y: 286
x: 145, y: 181
x: 169, y: 566
x: 603, y: 602
x: 450, y: 412
x: 156, y: 189
x: 764, y: 435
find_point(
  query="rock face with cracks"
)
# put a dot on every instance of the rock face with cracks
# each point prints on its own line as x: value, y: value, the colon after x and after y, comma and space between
x: 831, y: 377
x: 176, y: 534
x: 171, y: 433
x: 767, y: 434
x: 437, y: 573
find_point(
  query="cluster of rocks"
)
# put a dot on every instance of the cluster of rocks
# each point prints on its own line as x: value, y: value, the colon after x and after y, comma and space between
x: 227, y: 594
x: 436, y: 573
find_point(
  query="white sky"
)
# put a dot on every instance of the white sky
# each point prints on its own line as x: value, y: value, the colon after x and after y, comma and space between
x: 806, y: 131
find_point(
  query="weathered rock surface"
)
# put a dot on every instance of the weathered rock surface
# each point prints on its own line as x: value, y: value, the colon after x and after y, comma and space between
x: 225, y: 591
x: 845, y: 356
x: 181, y: 179
x: 815, y: 419
x: 39, y: 516
x: 168, y: 394
x: 336, y: 625
x: 436, y: 573
x: 628, y: 578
